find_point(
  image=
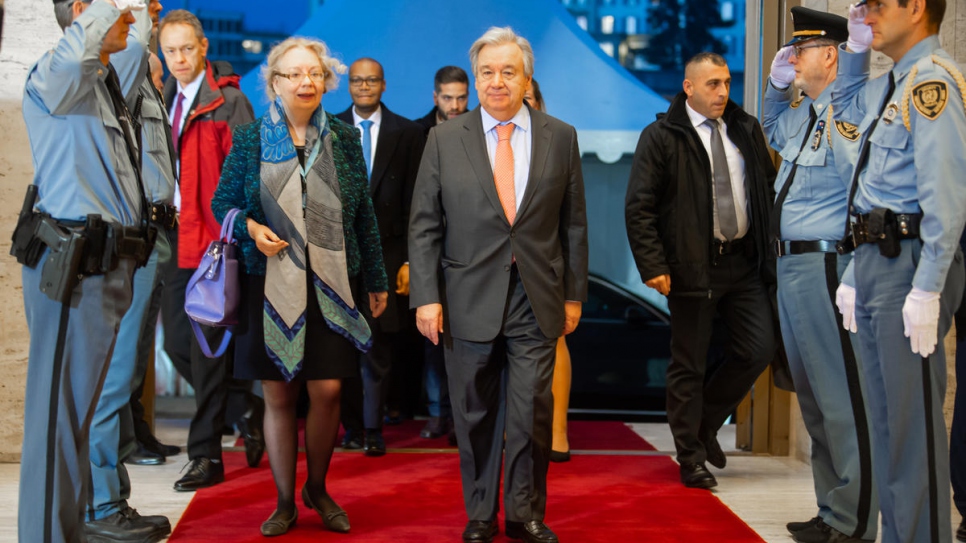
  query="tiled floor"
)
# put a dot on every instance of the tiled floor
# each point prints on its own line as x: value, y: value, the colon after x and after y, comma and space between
x: 766, y: 492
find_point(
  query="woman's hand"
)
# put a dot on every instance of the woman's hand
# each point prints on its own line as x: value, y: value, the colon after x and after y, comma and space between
x: 377, y: 303
x: 266, y: 240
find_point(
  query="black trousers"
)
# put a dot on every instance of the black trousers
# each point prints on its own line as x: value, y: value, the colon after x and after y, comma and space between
x: 503, y: 388
x: 697, y: 402
x: 364, y: 396
x: 220, y: 399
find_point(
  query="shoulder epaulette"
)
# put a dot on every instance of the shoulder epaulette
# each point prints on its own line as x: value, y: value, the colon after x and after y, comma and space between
x: 930, y: 97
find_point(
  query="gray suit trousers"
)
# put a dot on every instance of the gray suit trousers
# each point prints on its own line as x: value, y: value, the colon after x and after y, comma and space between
x: 504, y: 386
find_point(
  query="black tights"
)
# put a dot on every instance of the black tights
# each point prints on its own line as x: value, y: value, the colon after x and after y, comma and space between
x: 281, y: 435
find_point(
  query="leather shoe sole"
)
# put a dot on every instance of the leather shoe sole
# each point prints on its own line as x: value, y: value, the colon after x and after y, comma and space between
x: 532, y: 531
x: 697, y: 476
x: 278, y: 524
x: 480, y: 531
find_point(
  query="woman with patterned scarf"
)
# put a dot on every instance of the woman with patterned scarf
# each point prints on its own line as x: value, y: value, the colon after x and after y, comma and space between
x: 309, y: 241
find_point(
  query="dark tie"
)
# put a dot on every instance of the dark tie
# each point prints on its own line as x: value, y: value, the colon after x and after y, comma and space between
x: 727, y: 216
x: 176, y: 122
x: 776, y: 212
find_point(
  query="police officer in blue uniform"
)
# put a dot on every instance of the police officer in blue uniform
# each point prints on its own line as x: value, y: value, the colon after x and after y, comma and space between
x: 906, y: 218
x: 109, y: 517
x: 809, y: 216
x: 80, y: 237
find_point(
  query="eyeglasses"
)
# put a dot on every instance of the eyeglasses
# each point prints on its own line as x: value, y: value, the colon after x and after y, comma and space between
x: 799, y: 48
x: 507, y: 75
x: 297, y: 77
x: 358, y: 81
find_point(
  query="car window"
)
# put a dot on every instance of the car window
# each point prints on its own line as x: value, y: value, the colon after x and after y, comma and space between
x: 609, y: 304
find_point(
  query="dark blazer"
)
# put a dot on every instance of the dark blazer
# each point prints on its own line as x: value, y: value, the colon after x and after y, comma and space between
x: 668, y: 207
x: 458, y: 228
x: 394, y: 168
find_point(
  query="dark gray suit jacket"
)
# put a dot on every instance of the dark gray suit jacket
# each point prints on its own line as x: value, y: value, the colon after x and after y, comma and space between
x: 458, y: 228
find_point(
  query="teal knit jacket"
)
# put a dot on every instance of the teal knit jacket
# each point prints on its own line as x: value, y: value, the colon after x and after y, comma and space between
x: 239, y: 187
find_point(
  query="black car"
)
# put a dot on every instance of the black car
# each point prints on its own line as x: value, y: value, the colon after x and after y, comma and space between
x: 620, y: 353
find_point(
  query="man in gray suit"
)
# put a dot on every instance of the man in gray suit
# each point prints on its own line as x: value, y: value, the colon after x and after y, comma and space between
x: 499, y: 211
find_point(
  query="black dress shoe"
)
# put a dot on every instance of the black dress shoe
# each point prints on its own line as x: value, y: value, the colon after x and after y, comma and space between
x: 961, y: 531
x: 201, y: 473
x: 250, y: 428
x: 715, y: 456
x: 480, y: 531
x: 161, y: 522
x: 557, y: 456
x: 352, y: 440
x: 697, y: 476
x: 531, y: 531
x: 279, y: 523
x: 799, y: 526
x: 333, y: 517
x: 375, y: 445
x: 435, y: 427
x: 823, y: 533
x: 126, y: 526
x: 143, y: 457
x: 157, y: 447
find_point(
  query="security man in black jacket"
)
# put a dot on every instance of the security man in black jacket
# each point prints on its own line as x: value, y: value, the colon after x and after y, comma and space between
x: 697, y: 206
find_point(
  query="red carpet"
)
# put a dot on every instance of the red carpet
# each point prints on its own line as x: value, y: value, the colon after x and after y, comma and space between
x: 584, y: 436
x: 416, y: 497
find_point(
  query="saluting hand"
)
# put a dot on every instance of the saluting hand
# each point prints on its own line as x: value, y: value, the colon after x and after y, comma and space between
x: 860, y: 34
x: 782, y: 72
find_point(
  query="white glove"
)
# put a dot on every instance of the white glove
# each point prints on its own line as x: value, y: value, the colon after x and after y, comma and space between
x: 845, y: 300
x: 860, y: 34
x: 126, y: 5
x: 782, y: 72
x: 920, y: 318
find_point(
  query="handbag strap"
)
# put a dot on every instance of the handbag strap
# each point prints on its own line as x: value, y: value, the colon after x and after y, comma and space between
x: 228, y: 226
x: 203, y: 341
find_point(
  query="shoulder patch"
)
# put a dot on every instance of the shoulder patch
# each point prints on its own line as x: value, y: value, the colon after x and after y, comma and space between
x: 848, y: 131
x: 930, y: 98
x: 798, y: 101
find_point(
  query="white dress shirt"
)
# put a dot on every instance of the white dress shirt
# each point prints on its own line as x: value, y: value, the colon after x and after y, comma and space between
x: 376, y: 119
x: 190, y: 91
x: 736, y: 167
x: 521, y: 141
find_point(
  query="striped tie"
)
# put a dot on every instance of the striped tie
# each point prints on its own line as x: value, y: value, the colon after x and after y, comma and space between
x: 503, y: 172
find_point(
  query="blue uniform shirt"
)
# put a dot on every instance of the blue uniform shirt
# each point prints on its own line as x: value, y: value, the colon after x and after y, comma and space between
x: 916, y: 169
x: 815, y: 208
x: 80, y: 158
x: 132, y: 70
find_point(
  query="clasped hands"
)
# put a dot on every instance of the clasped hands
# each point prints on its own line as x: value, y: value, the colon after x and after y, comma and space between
x: 920, y: 317
x: 270, y: 245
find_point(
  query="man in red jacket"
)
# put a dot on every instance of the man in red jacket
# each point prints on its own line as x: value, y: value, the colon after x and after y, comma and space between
x: 204, y: 105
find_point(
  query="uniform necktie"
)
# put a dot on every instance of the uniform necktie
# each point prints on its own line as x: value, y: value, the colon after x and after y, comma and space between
x: 176, y: 122
x: 367, y: 145
x: 503, y: 172
x: 776, y: 213
x: 727, y: 217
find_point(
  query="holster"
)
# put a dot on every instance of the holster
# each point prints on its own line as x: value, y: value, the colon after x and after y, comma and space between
x: 882, y: 227
x: 62, y: 270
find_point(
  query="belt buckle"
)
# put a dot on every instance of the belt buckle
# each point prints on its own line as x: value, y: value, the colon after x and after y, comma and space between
x: 779, y: 248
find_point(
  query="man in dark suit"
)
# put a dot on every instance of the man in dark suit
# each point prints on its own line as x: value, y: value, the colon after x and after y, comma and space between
x: 391, y: 146
x: 450, y: 97
x: 697, y: 208
x: 499, y: 211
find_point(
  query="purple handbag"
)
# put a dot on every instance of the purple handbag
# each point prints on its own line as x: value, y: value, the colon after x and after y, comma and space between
x: 212, y: 295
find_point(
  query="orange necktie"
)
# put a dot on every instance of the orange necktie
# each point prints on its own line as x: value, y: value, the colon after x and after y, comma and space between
x: 503, y: 172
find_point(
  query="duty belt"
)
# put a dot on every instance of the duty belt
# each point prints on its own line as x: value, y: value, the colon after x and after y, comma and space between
x: 164, y: 215
x: 783, y: 248
x: 907, y: 228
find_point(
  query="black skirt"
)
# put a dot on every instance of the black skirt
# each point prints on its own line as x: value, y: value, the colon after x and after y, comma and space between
x: 328, y: 355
